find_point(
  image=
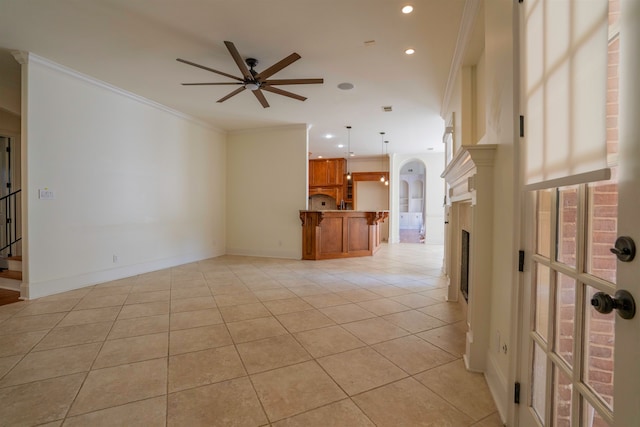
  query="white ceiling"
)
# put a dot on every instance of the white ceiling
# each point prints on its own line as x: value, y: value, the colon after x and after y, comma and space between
x: 133, y: 44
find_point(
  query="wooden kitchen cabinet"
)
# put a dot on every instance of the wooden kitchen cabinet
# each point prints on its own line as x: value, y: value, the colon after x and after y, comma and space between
x: 326, y: 172
x: 334, y: 191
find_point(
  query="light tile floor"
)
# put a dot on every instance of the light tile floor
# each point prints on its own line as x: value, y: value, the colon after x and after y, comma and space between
x: 247, y: 341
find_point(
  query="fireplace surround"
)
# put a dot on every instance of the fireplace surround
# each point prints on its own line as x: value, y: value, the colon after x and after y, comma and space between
x: 470, y: 183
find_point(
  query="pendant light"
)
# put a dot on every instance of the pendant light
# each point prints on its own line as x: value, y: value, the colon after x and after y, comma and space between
x: 386, y: 153
x: 348, y: 152
x: 382, y: 156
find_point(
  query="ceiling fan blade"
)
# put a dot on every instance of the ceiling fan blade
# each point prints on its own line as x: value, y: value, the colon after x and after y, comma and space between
x: 210, y: 84
x: 208, y: 69
x: 258, y: 93
x: 238, y: 59
x: 278, y: 66
x: 282, y: 92
x: 235, y: 92
x: 294, y: 82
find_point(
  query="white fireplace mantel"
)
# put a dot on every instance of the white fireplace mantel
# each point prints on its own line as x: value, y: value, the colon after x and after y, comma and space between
x: 460, y: 173
x: 469, y: 178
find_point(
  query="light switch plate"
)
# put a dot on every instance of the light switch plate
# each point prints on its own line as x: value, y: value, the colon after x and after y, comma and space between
x: 46, y: 194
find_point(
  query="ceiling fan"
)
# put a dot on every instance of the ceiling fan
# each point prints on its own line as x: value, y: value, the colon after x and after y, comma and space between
x: 254, y: 81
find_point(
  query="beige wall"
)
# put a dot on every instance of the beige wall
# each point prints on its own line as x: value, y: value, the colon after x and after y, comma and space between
x: 369, y: 164
x: 9, y: 123
x: 374, y: 196
x: 131, y: 179
x: 263, y: 196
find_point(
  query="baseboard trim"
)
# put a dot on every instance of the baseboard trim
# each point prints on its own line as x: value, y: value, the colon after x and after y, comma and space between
x: 51, y: 287
x: 498, y: 386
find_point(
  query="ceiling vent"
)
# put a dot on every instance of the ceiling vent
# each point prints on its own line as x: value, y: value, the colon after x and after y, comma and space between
x: 387, y: 109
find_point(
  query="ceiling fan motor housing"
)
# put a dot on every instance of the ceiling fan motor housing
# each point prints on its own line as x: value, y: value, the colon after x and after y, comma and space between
x: 251, y: 62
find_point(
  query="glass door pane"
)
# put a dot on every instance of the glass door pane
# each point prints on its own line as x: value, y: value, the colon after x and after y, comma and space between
x: 599, y: 339
x: 539, y: 382
x: 565, y: 317
x: 543, y: 223
x: 562, y: 399
x: 567, y: 225
x: 603, y: 228
x: 542, y: 301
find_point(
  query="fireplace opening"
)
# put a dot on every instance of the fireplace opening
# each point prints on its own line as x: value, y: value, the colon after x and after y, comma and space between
x: 464, y: 265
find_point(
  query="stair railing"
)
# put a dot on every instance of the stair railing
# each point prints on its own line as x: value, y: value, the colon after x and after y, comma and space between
x: 12, y: 233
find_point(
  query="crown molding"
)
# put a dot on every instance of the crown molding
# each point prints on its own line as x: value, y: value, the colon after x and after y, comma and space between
x: 293, y: 126
x: 20, y: 56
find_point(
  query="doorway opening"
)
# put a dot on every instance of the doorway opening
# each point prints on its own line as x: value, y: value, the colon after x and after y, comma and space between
x: 412, y: 196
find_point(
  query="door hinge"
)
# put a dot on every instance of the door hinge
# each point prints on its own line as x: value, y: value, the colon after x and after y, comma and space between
x: 8, y: 220
x: 8, y: 185
x: 520, y: 261
x: 8, y: 149
x: 516, y: 393
x: 521, y: 126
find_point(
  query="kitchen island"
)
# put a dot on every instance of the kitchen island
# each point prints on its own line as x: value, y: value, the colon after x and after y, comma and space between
x: 331, y: 234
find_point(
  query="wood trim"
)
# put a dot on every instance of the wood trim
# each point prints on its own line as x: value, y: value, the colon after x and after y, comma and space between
x: 368, y: 176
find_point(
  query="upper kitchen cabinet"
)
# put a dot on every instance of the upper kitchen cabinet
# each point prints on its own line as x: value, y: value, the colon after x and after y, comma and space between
x: 326, y: 172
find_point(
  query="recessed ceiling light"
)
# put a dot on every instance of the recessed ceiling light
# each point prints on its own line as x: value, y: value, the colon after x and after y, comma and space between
x: 351, y: 154
x: 410, y: 51
x: 319, y: 157
x: 340, y: 145
x: 407, y: 9
x: 328, y: 136
x: 430, y: 148
x: 345, y: 86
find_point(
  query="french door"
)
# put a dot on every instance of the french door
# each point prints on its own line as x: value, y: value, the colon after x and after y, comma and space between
x: 580, y: 367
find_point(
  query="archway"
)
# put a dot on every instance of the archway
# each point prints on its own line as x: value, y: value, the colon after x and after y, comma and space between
x: 412, y: 196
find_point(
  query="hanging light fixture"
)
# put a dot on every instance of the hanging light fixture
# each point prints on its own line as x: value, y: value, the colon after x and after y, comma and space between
x: 382, y: 156
x: 348, y: 152
x: 386, y: 153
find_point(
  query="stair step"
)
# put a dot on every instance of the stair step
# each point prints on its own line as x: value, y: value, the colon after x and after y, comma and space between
x: 14, y: 264
x: 11, y: 274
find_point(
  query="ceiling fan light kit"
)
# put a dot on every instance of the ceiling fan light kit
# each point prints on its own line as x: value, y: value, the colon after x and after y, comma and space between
x: 252, y: 80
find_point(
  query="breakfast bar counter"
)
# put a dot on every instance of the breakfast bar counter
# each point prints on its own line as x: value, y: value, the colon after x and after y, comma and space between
x: 331, y: 234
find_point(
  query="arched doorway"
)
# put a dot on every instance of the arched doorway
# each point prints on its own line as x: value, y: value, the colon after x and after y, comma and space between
x: 412, y: 196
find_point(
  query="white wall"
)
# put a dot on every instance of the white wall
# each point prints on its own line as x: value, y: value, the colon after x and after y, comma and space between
x: 434, y: 200
x: 267, y: 186
x: 501, y: 113
x: 130, y: 178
